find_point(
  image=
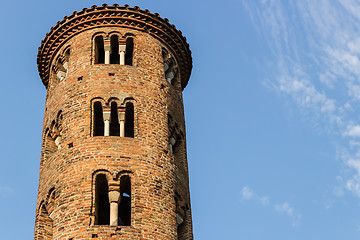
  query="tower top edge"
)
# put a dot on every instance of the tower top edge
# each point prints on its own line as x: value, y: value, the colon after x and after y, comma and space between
x: 114, y: 16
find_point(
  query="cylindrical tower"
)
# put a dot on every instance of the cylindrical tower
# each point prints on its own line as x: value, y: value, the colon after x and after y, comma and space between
x: 113, y: 160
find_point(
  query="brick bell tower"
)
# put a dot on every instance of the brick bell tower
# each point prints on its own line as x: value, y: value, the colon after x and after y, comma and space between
x: 113, y: 160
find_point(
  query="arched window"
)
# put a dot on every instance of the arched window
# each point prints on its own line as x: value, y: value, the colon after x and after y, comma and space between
x: 129, y: 51
x: 51, y: 201
x: 129, y: 119
x: 50, y: 146
x: 170, y: 67
x: 57, y: 129
x: 125, y: 203
x: 98, y: 126
x: 59, y: 119
x: 45, y: 224
x: 60, y: 70
x: 180, y: 216
x: 114, y: 56
x: 102, y: 206
x: 99, y: 50
x: 166, y: 60
x: 66, y: 60
x: 67, y: 53
x: 114, y: 122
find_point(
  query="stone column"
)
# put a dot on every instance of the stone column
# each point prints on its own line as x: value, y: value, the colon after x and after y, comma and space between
x: 167, y: 64
x: 114, y: 200
x: 107, y: 49
x: 180, y: 215
x: 58, y: 141
x: 122, y: 123
x: 106, y: 115
x: 122, y: 49
x: 61, y: 74
x: 172, y: 142
x: 66, y: 65
x: 170, y: 74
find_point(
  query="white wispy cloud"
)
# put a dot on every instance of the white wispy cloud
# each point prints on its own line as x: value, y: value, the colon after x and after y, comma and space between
x: 248, y: 194
x: 352, y: 7
x: 316, y: 55
x: 284, y: 208
x: 265, y: 200
x: 353, y: 131
x: 297, y: 85
x: 351, y: 176
x: 353, y: 183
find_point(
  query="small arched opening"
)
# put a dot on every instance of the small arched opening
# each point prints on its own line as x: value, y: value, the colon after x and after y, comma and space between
x: 114, y: 122
x: 125, y: 203
x: 129, y: 119
x: 45, y: 224
x: 114, y: 56
x: 98, y: 126
x: 99, y: 50
x: 129, y: 51
x: 102, y: 206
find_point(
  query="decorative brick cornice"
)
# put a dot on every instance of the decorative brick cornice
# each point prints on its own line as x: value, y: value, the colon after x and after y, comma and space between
x: 118, y: 16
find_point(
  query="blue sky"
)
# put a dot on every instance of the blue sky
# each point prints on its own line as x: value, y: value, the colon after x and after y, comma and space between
x: 272, y: 115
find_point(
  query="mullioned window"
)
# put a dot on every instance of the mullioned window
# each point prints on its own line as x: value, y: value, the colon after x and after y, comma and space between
x: 113, y: 49
x: 112, y: 199
x: 113, y: 120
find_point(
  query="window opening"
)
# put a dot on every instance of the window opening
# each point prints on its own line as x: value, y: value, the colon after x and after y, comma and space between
x: 129, y: 51
x: 180, y: 215
x: 170, y: 67
x: 67, y: 53
x: 98, y: 120
x: 114, y: 122
x: 167, y: 61
x: 125, y: 203
x: 52, y: 136
x: 175, y: 147
x: 102, y: 205
x: 129, y: 120
x: 114, y: 56
x: 47, y: 224
x: 51, y: 202
x: 66, y: 62
x: 172, y: 143
x: 50, y: 146
x: 170, y: 74
x: 99, y: 50
x: 60, y: 70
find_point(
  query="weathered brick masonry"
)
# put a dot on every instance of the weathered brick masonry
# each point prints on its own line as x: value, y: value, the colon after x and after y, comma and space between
x: 131, y: 184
